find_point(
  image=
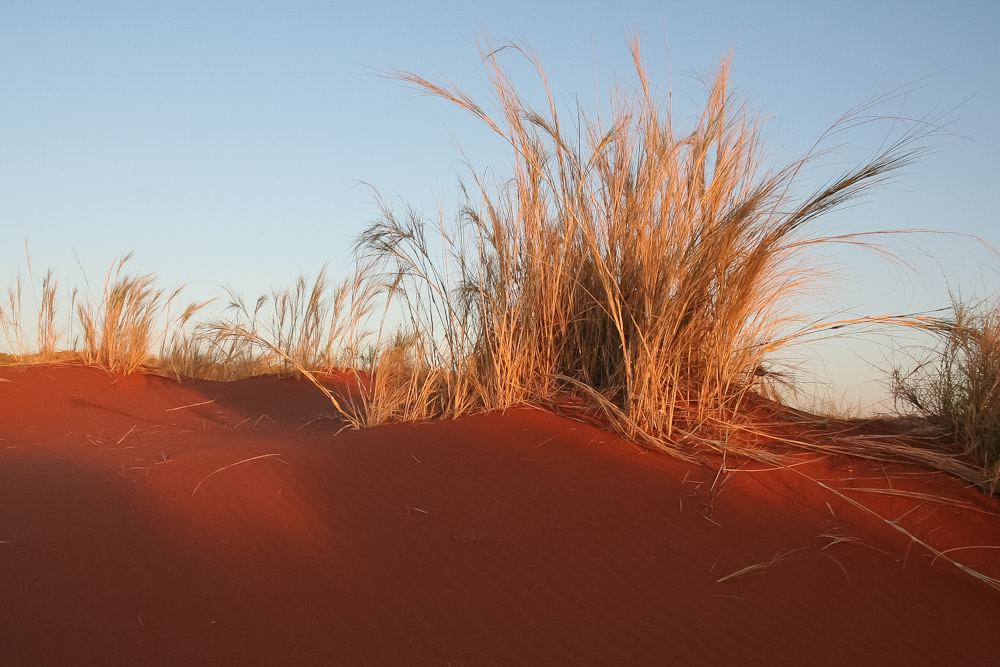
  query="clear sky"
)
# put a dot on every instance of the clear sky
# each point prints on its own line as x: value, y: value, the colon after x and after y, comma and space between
x: 225, y: 142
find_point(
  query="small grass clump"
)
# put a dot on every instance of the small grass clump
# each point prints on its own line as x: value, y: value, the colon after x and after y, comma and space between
x: 957, y: 386
x: 10, y: 322
x: 120, y: 329
x: 46, y: 307
x: 306, y: 328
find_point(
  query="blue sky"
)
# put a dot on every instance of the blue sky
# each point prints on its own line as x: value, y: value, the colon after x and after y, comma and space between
x: 225, y: 143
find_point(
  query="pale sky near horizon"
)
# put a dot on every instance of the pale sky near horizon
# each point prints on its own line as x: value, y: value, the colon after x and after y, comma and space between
x: 226, y: 143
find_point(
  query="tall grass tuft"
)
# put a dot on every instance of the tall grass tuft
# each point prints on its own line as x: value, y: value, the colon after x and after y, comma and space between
x: 46, y: 308
x: 120, y: 330
x: 649, y: 270
x: 427, y: 367
x: 48, y: 335
x: 10, y: 322
x: 958, y: 385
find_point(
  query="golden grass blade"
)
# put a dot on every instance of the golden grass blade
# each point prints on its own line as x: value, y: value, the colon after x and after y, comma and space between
x: 252, y: 458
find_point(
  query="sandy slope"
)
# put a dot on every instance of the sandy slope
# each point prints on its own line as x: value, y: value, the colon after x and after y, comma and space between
x: 510, y: 539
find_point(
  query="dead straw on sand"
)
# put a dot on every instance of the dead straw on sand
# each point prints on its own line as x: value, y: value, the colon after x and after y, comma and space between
x: 889, y: 450
x: 191, y: 405
x: 989, y: 581
x: 252, y: 458
x: 757, y: 567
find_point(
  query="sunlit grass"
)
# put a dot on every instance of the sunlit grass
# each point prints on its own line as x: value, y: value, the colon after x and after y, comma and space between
x: 652, y: 271
x: 46, y: 306
x: 957, y: 384
x: 119, y: 327
x: 648, y: 273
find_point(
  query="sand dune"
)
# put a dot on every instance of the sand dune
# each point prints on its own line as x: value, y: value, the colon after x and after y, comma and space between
x: 146, y: 522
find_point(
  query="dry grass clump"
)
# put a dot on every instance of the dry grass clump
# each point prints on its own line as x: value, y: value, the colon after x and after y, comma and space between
x: 306, y: 333
x: 10, y: 321
x: 649, y: 270
x: 120, y: 328
x: 427, y: 368
x: 48, y: 336
x: 46, y: 307
x: 958, y: 385
x: 305, y: 328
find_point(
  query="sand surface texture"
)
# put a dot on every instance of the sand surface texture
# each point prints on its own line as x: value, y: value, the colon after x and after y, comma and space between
x: 146, y: 522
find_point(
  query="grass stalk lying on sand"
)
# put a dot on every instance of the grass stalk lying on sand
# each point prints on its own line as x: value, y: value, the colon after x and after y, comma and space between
x: 252, y: 458
x: 989, y: 581
x: 750, y: 569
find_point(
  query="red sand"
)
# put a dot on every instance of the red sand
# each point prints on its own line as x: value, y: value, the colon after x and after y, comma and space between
x: 512, y: 539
